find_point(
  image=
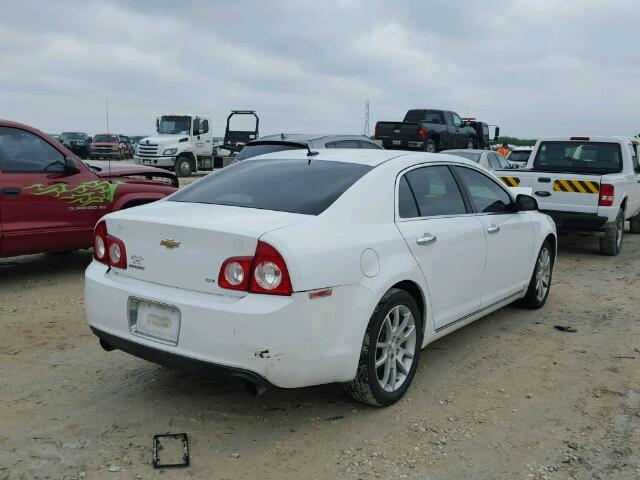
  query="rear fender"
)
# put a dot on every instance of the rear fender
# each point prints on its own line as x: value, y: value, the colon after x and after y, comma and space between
x: 137, y: 198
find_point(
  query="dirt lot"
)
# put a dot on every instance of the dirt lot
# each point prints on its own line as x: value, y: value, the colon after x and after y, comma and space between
x: 506, y: 397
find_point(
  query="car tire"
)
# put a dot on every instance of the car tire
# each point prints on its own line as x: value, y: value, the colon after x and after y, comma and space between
x: 183, y: 167
x: 430, y: 146
x: 634, y: 224
x: 537, y: 291
x: 611, y: 242
x: 471, y: 144
x: 385, y: 327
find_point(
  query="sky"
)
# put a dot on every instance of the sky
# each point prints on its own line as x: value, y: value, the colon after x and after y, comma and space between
x: 533, y: 67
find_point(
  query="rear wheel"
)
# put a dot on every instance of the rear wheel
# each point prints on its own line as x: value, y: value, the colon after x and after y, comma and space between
x: 183, y: 167
x: 611, y: 242
x: 430, y: 146
x: 390, y: 351
x: 540, y: 284
x: 634, y: 224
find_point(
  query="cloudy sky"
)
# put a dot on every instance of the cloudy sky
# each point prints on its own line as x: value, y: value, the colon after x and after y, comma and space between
x: 533, y: 67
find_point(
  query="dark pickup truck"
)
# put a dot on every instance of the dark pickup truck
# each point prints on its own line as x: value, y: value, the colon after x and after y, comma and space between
x: 431, y: 131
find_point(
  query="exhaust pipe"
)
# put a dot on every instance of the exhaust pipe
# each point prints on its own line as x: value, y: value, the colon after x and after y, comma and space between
x: 107, y: 347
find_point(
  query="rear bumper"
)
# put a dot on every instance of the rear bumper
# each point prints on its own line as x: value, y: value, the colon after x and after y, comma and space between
x: 289, y: 342
x: 577, y: 221
x: 180, y: 362
x: 390, y: 144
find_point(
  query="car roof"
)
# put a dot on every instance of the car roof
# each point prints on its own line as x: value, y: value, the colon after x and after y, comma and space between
x: 309, y: 137
x: 362, y: 156
x: 470, y: 150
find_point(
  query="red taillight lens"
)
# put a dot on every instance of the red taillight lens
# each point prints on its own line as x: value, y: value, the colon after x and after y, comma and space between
x: 269, y: 272
x: 422, y: 132
x: 108, y: 249
x: 235, y: 273
x: 607, y: 193
x: 100, y: 243
x: 266, y: 272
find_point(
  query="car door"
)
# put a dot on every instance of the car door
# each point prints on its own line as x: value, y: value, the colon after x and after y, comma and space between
x: 202, y: 141
x: 509, y: 236
x: 633, y: 204
x: 44, y: 206
x: 459, y: 136
x: 447, y: 242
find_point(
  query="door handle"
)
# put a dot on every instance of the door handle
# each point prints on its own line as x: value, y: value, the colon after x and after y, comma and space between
x: 493, y: 228
x: 11, y: 192
x: 426, y: 239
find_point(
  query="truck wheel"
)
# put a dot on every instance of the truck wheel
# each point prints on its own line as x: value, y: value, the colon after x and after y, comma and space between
x: 540, y: 283
x: 430, y: 146
x: 471, y: 144
x: 634, y: 224
x: 390, y: 351
x: 183, y: 167
x: 611, y: 243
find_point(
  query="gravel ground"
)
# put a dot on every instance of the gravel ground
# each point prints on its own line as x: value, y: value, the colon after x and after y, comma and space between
x: 506, y: 397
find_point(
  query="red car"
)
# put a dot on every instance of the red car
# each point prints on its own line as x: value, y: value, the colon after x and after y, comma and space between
x: 108, y: 145
x: 50, y: 200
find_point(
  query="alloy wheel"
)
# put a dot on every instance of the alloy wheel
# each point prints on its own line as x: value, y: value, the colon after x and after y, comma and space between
x: 395, y: 347
x: 543, y: 274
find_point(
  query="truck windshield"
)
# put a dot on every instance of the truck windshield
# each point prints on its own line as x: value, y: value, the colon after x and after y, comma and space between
x: 296, y: 186
x: 596, y: 158
x: 170, y: 125
x: 105, y: 138
x: 73, y: 135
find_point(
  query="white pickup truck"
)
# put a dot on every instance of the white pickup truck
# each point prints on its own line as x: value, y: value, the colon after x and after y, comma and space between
x: 587, y: 184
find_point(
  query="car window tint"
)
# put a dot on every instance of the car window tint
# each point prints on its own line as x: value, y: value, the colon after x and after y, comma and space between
x: 343, y: 144
x: 407, y: 207
x: 253, y: 150
x: 22, y: 151
x: 436, y: 191
x: 295, y: 185
x: 486, y: 195
x: 369, y: 145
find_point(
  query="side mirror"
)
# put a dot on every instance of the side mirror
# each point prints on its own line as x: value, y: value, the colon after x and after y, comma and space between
x: 497, y: 134
x: 70, y: 166
x: 526, y: 203
x: 158, y: 125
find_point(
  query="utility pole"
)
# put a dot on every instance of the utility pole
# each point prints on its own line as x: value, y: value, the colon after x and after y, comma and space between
x: 366, y: 119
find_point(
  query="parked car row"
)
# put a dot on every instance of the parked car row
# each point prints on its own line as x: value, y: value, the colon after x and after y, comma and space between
x: 101, y: 145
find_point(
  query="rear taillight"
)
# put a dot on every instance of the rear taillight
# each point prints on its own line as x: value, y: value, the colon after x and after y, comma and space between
x: 422, y: 132
x: 265, y: 272
x: 607, y: 192
x: 108, y: 249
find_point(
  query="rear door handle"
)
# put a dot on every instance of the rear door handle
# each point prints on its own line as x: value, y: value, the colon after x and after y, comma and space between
x: 493, y: 228
x: 10, y: 192
x: 426, y: 239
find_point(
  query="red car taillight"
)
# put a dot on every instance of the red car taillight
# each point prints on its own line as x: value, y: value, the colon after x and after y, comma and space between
x: 607, y: 192
x: 266, y: 272
x: 422, y: 132
x: 108, y: 249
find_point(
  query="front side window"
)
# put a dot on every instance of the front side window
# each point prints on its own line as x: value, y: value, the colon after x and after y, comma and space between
x: 435, y: 192
x: 297, y: 185
x: 456, y: 120
x: 22, y: 151
x: 487, y: 196
x: 493, y: 161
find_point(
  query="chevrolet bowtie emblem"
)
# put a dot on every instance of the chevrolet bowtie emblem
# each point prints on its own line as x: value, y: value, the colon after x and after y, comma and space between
x: 170, y: 243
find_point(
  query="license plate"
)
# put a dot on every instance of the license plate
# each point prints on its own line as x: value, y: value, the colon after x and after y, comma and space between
x: 155, y: 321
x: 397, y: 142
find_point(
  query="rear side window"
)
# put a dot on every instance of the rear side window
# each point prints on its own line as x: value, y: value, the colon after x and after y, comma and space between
x: 435, y: 192
x: 596, y: 158
x: 22, y: 151
x: 407, y: 206
x: 487, y: 196
x: 253, y: 150
x: 296, y: 186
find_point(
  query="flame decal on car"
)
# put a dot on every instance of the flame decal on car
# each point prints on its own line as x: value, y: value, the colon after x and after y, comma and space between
x: 95, y: 192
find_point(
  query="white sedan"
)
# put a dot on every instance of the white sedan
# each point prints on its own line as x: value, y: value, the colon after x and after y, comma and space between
x: 295, y: 269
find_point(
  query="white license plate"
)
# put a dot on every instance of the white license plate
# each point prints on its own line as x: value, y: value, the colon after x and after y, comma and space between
x: 155, y: 321
x: 397, y: 142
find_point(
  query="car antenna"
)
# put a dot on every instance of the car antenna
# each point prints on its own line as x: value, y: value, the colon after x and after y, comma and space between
x: 310, y: 153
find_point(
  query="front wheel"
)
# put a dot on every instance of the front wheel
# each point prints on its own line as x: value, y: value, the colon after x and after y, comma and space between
x: 183, y: 167
x: 611, y: 242
x: 390, y: 351
x: 540, y: 284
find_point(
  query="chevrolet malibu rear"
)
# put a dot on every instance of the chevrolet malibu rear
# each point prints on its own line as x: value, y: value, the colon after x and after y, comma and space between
x: 211, y: 281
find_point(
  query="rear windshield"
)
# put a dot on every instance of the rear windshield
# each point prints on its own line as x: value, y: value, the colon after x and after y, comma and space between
x: 519, y: 156
x: 262, y: 148
x: 296, y: 186
x: 579, y: 157
x: 473, y: 156
x: 426, y: 116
